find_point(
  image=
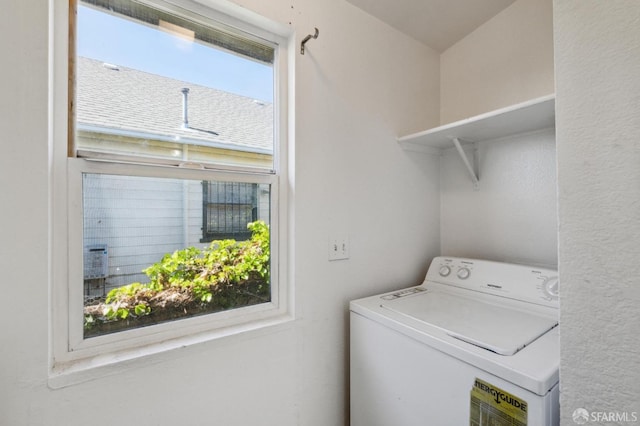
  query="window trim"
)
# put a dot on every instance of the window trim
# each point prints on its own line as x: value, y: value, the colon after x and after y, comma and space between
x: 75, y: 359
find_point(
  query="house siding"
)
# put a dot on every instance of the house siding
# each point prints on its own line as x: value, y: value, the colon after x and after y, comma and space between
x: 140, y: 220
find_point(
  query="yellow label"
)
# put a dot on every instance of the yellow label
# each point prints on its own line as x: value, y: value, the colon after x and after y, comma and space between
x: 492, y: 406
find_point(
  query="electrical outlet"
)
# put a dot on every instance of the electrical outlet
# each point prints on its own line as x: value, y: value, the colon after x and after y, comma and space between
x: 338, y: 248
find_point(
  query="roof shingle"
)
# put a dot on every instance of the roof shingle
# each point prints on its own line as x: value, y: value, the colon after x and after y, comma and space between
x: 127, y: 99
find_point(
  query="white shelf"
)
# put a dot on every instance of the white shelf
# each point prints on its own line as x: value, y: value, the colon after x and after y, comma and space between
x: 529, y: 116
x: 526, y: 117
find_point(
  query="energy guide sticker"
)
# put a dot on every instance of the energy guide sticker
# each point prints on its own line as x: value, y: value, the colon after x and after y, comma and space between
x: 491, y: 406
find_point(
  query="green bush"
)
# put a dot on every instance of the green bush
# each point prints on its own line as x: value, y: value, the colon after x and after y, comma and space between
x: 222, y: 276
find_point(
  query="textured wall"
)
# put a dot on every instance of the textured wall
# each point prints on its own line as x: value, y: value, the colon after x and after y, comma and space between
x: 597, y: 54
x: 512, y: 215
x: 507, y: 60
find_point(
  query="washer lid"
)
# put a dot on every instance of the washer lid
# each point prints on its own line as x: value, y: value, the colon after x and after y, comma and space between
x: 495, y: 327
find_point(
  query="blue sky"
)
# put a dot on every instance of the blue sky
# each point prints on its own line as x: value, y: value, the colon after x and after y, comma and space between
x: 118, y: 41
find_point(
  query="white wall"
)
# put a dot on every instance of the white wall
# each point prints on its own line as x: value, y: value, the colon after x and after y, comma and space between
x: 507, y: 60
x: 511, y: 217
x: 598, y: 131
x: 350, y: 176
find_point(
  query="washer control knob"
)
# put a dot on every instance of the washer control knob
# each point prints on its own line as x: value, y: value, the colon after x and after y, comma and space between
x: 445, y: 271
x: 463, y: 273
x: 551, y: 288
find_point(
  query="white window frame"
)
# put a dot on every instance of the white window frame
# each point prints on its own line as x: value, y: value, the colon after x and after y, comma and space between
x: 74, y: 358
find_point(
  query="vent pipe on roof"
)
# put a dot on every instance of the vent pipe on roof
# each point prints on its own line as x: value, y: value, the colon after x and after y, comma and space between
x: 185, y: 108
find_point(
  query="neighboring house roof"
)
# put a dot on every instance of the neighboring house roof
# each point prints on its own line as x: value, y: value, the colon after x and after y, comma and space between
x: 124, y: 99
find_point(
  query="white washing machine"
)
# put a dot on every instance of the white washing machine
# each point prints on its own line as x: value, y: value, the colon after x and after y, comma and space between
x: 476, y: 344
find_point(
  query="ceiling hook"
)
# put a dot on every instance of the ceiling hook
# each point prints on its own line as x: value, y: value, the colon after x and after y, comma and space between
x: 306, y: 39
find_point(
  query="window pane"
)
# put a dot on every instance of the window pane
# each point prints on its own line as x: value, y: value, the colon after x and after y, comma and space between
x: 165, y: 89
x: 144, y: 262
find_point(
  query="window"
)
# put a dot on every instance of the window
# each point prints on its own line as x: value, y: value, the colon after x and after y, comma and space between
x: 174, y: 220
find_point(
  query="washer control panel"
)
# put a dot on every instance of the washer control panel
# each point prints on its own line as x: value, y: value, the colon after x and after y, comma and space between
x: 445, y: 270
x: 461, y: 269
x: 551, y: 288
x: 526, y: 283
x: 463, y: 273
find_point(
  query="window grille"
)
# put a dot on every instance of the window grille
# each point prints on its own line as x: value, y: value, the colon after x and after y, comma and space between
x: 227, y: 209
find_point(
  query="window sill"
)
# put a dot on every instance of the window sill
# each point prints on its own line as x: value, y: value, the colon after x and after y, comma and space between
x: 71, y: 373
